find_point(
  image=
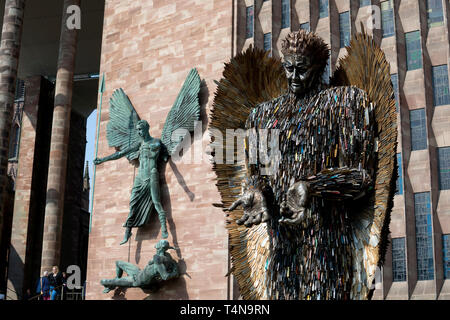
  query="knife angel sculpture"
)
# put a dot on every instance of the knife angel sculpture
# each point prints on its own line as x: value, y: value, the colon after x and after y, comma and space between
x: 315, y: 225
x: 130, y: 136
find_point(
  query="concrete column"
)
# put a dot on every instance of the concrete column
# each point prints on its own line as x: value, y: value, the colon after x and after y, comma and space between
x: 9, y: 61
x: 59, y: 143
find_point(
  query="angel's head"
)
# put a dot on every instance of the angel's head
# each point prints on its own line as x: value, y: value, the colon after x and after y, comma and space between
x: 143, y: 128
x: 305, y: 59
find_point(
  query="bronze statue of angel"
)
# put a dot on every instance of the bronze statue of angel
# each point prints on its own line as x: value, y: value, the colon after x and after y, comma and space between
x: 131, y: 137
x: 315, y: 225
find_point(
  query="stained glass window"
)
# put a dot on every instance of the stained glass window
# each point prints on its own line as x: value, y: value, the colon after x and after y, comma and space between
x: 418, y: 129
x: 398, y: 259
x: 249, y: 22
x: 413, y: 51
x: 444, y: 168
x: 440, y: 85
x: 424, y: 238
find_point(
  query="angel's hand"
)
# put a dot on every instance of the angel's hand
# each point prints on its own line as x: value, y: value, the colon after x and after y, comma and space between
x: 98, y: 161
x: 255, y: 207
x: 293, y: 208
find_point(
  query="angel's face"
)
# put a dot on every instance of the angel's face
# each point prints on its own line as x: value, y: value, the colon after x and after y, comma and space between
x: 141, y: 130
x: 299, y: 72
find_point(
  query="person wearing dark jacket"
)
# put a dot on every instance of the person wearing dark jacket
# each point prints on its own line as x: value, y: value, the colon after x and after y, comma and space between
x: 56, y: 280
x: 43, y: 287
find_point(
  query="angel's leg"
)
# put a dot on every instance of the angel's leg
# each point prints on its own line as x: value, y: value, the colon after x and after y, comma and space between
x: 154, y: 178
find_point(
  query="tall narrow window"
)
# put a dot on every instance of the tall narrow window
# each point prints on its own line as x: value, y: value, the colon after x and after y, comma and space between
x: 398, y: 259
x: 305, y: 26
x: 364, y: 3
x: 444, y: 168
x: 249, y: 22
x: 344, y: 29
x: 400, y: 175
x: 418, y: 129
x: 435, y: 14
x: 440, y: 85
x: 394, y: 80
x: 326, y: 74
x: 424, y: 236
x: 14, y: 142
x: 387, y: 18
x: 446, y: 255
x: 413, y: 51
x: 285, y: 13
x: 323, y: 8
x: 267, y: 41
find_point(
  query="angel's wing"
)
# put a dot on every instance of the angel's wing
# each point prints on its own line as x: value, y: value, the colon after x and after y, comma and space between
x: 121, y: 128
x: 366, y: 67
x: 185, y: 111
x: 250, y: 78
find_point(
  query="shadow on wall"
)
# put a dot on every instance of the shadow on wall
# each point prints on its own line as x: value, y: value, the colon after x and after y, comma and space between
x: 16, y: 272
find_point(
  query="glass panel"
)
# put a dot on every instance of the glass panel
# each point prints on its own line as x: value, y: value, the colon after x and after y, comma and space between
x: 398, y: 260
x: 413, y: 51
x: 440, y: 85
x: 249, y: 21
x: 424, y: 239
x: 394, y: 80
x: 418, y: 129
x: 285, y: 13
x: 387, y: 18
x: 435, y: 13
x: 305, y: 26
x: 267, y: 41
x: 364, y: 3
x: 400, y: 175
x: 446, y: 255
x: 344, y: 28
x: 323, y: 8
x: 444, y: 168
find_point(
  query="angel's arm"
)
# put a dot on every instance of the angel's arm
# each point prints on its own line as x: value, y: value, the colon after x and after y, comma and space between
x: 339, y: 183
x: 117, y: 155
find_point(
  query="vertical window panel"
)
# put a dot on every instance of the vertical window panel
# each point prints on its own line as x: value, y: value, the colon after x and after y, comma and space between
x: 387, y: 19
x: 305, y: 26
x: 444, y: 168
x: 435, y: 13
x: 323, y: 8
x: 424, y: 238
x: 285, y: 13
x: 394, y: 80
x: 364, y: 3
x: 418, y: 129
x: 400, y: 175
x: 249, y: 22
x: 398, y: 260
x: 413, y: 51
x: 440, y: 85
x: 344, y: 29
x: 267, y: 41
x: 446, y: 255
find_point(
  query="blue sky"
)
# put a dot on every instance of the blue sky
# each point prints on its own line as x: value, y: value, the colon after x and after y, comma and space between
x: 90, y: 147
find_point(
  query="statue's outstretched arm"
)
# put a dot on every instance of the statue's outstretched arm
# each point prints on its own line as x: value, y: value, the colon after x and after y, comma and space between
x: 117, y: 155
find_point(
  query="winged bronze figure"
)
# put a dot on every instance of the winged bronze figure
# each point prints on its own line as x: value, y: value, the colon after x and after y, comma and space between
x: 130, y: 135
x: 316, y: 227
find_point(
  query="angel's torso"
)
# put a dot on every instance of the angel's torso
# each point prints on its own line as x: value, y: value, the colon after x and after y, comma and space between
x: 325, y: 130
x: 148, y: 156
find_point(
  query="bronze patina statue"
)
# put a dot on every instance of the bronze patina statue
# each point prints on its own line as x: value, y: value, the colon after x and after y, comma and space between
x: 161, y: 268
x: 316, y: 226
x: 130, y: 135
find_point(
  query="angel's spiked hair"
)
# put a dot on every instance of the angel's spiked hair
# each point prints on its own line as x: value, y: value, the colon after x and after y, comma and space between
x: 308, y: 44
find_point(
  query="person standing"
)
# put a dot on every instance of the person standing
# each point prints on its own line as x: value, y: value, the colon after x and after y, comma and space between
x: 43, y: 287
x: 56, y: 281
